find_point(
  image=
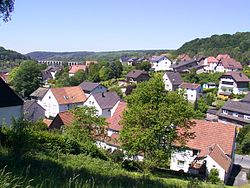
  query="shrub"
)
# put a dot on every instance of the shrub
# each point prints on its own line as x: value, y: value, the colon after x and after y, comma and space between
x: 213, y: 176
x: 117, y: 155
x: 131, y: 165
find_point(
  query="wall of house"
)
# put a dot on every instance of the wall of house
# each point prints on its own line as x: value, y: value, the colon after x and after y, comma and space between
x: 162, y: 65
x: 186, y: 156
x: 167, y: 83
x: 227, y: 85
x: 7, y: 113
x: 91, y: 102
x: 213, y: 164
x: 49, y: 103
x: 65, y: 107
x: 35, y: 113
x: 191, y: 95
x: 105, y: 146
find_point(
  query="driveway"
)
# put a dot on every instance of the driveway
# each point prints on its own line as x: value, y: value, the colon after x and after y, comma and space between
x: 242, y: 160
x: 240, y: 169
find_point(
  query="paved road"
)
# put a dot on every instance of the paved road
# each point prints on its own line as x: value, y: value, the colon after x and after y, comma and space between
x: 242, y: 160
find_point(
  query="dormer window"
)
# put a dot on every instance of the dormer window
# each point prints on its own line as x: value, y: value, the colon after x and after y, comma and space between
x: 235, y: 114
x: 225, y: 112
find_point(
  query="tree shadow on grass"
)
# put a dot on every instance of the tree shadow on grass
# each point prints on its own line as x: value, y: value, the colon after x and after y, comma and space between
x: 48, y: 173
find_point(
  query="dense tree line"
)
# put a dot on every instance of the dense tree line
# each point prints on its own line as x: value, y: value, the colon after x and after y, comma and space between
x: 236, y: 45
x: 102, y: 71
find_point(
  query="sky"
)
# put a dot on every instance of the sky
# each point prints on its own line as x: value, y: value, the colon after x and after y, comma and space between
x: 111, y: 25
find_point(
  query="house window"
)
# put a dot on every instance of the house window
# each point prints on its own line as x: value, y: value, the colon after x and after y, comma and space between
x: 195, y: 152
x: 108, y: 110
x: 89, y: 102
x: 49, y: 97
x: 225, y: 112
x: 235, y: 114
x: 246, y: 117
x: 180, y: 163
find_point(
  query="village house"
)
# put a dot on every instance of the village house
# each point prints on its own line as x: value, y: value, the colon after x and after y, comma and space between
x: 186, y: 66
x: 105, y: 103
x: 135, y: 60
x: 226, y: 64
x: 75, y: 68
x: 91, y: 88
x: 233, y: 82
x: 111, y: 142
x: 236, y: 112
x: 209, y: 85
x: 11, y: 105
x: 211, y: 148
x: 62, y: 99
x: 88, y: 63
x: 191, y: 91
x: 172, y: 80
x: 183, y: 57
x: 160, y: 63
x: 50, y: 72
x: 124, y: 60
x: 136, y: 76
x: 32, y: 111
x: 39, y: 94
x: 210, y: 64
x: 62, y: 119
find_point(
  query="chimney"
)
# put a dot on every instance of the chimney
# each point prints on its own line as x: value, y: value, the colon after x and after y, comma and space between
x: 240, y: 74
x: 103, y: 95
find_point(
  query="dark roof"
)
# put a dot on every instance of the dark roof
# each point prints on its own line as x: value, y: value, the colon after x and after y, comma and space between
x: 212, y: 111
x: 246, y: 98
x: 156, y: 58
x: 106, y: 100
x: 182, y: 63
x: 7, y: 96
x: 124, y: 59
x: 237, y: 106
x: 88, y: 86
x: 39, y: 93
x: 135, y: 73
x: 31, y: 107
x: 237, y: 76
x: 174, y: 77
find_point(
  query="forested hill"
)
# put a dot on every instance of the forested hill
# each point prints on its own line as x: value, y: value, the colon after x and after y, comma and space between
x: 236, y: 45
x: 10, y: 55
x: 84, y: 55
x: 59, y: 56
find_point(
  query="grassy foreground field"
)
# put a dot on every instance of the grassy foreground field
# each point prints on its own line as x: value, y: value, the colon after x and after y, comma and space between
x: 80, y: 171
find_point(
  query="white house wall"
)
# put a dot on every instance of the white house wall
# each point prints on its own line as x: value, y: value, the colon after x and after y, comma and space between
x: 186, y: 156
x: 50, y: 104
x: 213, y: 164
x: 162, y: 65
x: 167, y: 83
x: 7, y: 113
x: 91, y: 102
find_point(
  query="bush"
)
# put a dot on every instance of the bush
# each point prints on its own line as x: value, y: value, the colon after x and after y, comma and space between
x: 131, y: 165
x: 117, y: 155
x: 213, y: 176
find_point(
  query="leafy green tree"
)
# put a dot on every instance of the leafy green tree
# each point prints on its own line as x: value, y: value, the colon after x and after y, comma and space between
x: 213, y: 176
x: 152, y: 119
x: 105, y: 73
x: 26, y: 78
x: 116, y: 68
x: 6, y: 8
x: 145, y: 65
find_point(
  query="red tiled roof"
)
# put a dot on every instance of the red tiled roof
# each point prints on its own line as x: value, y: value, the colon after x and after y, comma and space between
x: 218, y: 155
x: 75, y: 68
x: 47, y: 121
x: 230, y: 63
x: 208, y: 133
x: 223, y: 56
x: 69, y: 95
x: 184, y: 57
x: 212, y: 59
x: 63, y: 118
x: 114, y: 120
x: 186, y: 85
